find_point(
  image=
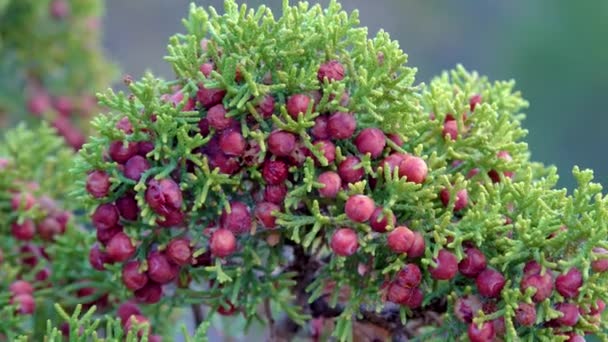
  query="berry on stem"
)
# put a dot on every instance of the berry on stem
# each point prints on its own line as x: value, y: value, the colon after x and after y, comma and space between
x: 98, y: 184
x: 380, y: 220
x: 127, y: 207
x: 149, y: 294
x: 350, y: 171
x: 238, y: 220
x: 418, y: 246
x: 409, y: 276
x: 462, y: 198
x: 21, y: 287
x: 264, y: 214
x: 135, y: 167
x: 485, y: 333
x: 297, y: 104
x: 120, y: 248
x: 331, y: 182
x: 222, y: 243
x: 105, y: 216
x: 447, y: 266
x: 232, y: 143
x: 120, y: 153
x: 473, y: 263
x: 160, y: 269
x: 359, y: 208
x: 24, y: 231
x: 466, y: 307
x: 132, y: 277
x: 281, y: 143
x: 525, y: 314
x: 341, y: 125
x: 414, y: 169
x: 332, y: 70
x: 569, y: 284
x: 344, y: 242
x: 372, y: 141
x: 490, y: 283
x: 400, y: 239
x: 275, y: 172
x: 163, y: 196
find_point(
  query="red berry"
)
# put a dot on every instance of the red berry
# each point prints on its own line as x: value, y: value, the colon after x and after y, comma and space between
x: 331, y: 184
x: 275, y: 172
x: 39, y: 103
x: 141, y: 323
x: 494, y: 175
x: 264, y: 214
x: 238, y: 220
x: 216, y: 117
x: 328, y: 149
x: 155, y: 338
x: 490, y: 283
x: 207, y: 68
x: 466, y: 308
x: 49, y: 227
x: 121, y: 153
x: 149, y: 294
x: 179, y: 251
x: 22, y: 201
x: 332, y: 70
x: 414, y: 169
x: 570, y: 314
x: 473, y: 263
x: 398, y: 294
x: 222, y: 243
x: 21, y: 287
x: 379, y: 220
x: 98, y: 184
x: 418, y: 246
x: 450, y: 129
x: 25, y: 302
x: 542, y: 283
x: 226, y: 309
x: 275, y: 193
x: 132, y: 277
x: 400, y: 239
x: 97, y: 258
x: 601, y: 264
x: 525, y: 314
x: 474, y: 101
x: 124, y: 125
x: 320, y: 131
x: 43, y: 275
x: 60, y: 9
x: 350, y: 171
x: 462, y: 198
x: 409, y: 276
x: 359, y: 208
x: 120, y: 248
x: 344, y: 242
x: 569, y: 284
x: 104, y: 235
x: 281, y: 143
x: 24, y: 231
x: 576, y: 338
x: 144, y: 147
x: 447, y: 266
x: 160, y: 269
x: 232, y: 143
x: 135, y: 167
x: 209, y: 97
x: 297, y: 104
x: 105, y: 216
x: 126, y: 310
x: 483, y: 334
x: 127, y: 207
x: 266, y: 106
x: 393, y: 160
x: 394, y: 137
x: 341, y: 125
x: 372, y: 141
x: 415, y: 299
x: 163, y: 196
x: 532, y: 267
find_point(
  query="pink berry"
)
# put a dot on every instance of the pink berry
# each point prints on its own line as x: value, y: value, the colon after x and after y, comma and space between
x: 232, y: 143
x: 414, y: 169
x: 359, y: 208
x: 332, y: 70
x: 216, y: 116
x: 569, y: 284
x: 570, y: 314
x: 494, y: 175
x: 149, y: 294
x: 105, y: 235
x: 398, y: 294
x: 138, y: 324
x: 341, y: 125
x: 576, y: 338
x: 209, y: 97
x: 275, y: 172
x: 372, y: 141
x: 344, y: 242
x: 120, y: 153
x: 450, y: 129
x: 542, y: 283
x: 328, y: 149
x: 409, y: 276
x: 400, y: 239
x: 532, y: 267
x: 179, y: 251
x: 320, y: 131
x: 22, y: 201
x: 144, y: 147
x: 25, y: 302
x: 598, y: 308
x: 415, y: 299
x: 120, y: 248
x: 393, y: 160
x: 126, y: 310
x: 127, y: 207
x: 483, y: 334
x: 266, y: 106
x: 473, y: 263
x: 447, y: 266
x: 160, y: 269
x: 105, y: 216
x: 331, y: 184
x: 394, y: 137
x: 97, y: 258
x: 98, y: 184
x: 601, y: 264
x: 163, y: 196
x: 124, y: 125
x: 24, y: 231
x: 474, y: 101
x: 350, y: 171
x: 380, y: 220
x: 462, y: 198
x: 207, y: 68
x: 39, y: 103
x: 466, y: 308
x: 222, y: 243
x: 21, y: 287
x: 132, y: 277
x: 49, y: 227
x: 135, y: 167
x: 238, y: 220
x: 275, y: 193
x: 490, y: 283
x: 264, y: 214
x: 418, y: 246
x: 297, y: 104
x: 525, y: 314
x: 281, y: 143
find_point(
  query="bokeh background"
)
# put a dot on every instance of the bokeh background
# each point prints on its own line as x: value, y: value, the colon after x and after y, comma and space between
x: 556, y: 50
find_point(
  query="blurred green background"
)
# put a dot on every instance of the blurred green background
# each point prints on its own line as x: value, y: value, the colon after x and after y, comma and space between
x: 556, y: 50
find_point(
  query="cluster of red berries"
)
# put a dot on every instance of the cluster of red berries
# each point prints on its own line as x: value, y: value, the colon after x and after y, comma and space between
x: 130, y: 315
